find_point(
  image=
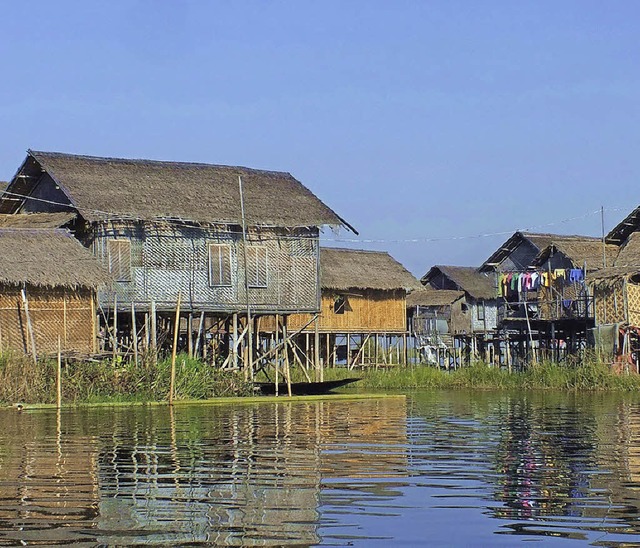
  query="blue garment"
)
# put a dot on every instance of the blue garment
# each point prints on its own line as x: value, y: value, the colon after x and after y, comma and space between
x: 576, y: 275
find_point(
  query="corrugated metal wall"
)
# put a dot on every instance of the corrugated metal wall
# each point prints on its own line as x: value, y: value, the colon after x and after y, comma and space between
x: 166, y: 259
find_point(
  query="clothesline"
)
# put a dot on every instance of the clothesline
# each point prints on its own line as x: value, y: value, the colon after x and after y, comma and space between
x: 512, y: 283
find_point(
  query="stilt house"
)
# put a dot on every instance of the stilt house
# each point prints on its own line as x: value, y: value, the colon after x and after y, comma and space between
x: 363, y: 307
x: 434, y: 316
x: 48, y: 287
x: 228, y: 240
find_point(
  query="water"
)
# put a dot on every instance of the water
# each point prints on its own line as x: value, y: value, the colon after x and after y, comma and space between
x: 458, y: 468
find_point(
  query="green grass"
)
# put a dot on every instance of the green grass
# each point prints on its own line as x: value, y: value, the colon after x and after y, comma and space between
x: 98, y: 382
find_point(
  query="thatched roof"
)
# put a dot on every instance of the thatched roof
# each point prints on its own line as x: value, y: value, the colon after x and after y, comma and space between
x: 3, y: 185
x: 612, y: 274
x: 580, y: 251
x: 469, y: 279
x: 433, y: 297
x: 540, y: 241
x: 624, y: 228
x: 35, y: 220
x: 345, y: 269
x: 47, y: 257
x: 107, y: 188
x: 629, y: 254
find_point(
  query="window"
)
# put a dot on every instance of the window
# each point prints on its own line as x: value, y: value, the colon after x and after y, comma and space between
x: 219, y: 265
x: 339, y: 304
x: 480, y: 310
x: 464, y: 307
x: 119, y: 252
x: 257, y: 266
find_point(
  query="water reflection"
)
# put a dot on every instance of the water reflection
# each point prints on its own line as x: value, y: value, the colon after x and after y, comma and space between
x: 221, y: 475
x: 438, y: 468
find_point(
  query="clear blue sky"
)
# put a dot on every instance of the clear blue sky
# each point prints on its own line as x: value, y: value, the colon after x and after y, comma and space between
x: 412, y: 119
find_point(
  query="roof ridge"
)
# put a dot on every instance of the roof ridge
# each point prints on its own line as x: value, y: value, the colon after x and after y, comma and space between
x: 143, y: 161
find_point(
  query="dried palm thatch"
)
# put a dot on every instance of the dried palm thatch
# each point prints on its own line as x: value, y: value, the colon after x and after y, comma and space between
x: 35, y: 220
x: 108, y: 188
x: 624, y: 228
x: 538, y: 241
x: 476, y: 284
x: 345, y: 269
x: 629, y: 255
x: 48, y: 258
x: 580, y: 251
x: 433, y: 297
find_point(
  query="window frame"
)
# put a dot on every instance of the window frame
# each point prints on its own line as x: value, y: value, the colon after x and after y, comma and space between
x: 225, y: 279
x: 122, y: 274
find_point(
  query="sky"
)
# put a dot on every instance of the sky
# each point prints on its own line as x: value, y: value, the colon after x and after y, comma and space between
x: 436, y: 128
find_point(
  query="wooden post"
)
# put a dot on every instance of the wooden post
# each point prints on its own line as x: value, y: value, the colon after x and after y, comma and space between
x: 1, y: 347
x: 29, y: 327
x: 328, y: 359
x: 115, y: 328
x: 134, y: 333
x: 234, y: 347
x: 199, y: 335
x: 277, y: 351
x: 316, y: 352
x: 59, y: 399
x: 286, y: 355
x: 375, y: 352
x: 405, y: 350
x: 154, y: 330
x: 64, y: 318
x: 348, y: 350
x: 94, y: 326
x: 174, y: 349
x: 190, y: 335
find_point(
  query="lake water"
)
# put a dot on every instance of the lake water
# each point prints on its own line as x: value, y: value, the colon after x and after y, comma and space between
x: 441, y: 468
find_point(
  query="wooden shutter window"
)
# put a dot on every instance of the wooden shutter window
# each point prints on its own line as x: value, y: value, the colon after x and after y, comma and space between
x: 119, y: 252
x: 219, y: 265
x: 257, y: 266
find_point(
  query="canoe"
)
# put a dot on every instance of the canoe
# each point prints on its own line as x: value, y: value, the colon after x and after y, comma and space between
x: 303, y: 388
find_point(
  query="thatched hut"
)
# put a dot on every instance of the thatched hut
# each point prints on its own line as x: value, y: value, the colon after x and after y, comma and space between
x: 229, y: 240
x: 363, y: 299
x: 48, y: 285
x: 480, y: 292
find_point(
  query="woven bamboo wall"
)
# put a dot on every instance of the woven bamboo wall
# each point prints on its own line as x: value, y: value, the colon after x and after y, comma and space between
x: 166, y: 259
x: 367, y: 312
x: 633, y: 303
x: 609, y: 302
x: 54, y: 312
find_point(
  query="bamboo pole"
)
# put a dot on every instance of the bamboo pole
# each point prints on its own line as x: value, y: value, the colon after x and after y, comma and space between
x: 29, y: 327
x: 59, y: 383
x: 174, y: 350
x: 316, y: 352
x: 134, y: 333
x: 286, y: 355
x: 64, y: 318
x: 190, y: 335
x: 199, y: 336
x: 115, y: 327
x: 277, y: 351
x: 154, y: 329
x: 1, y: 347
x: 234, y: 348
x: 94, y: 325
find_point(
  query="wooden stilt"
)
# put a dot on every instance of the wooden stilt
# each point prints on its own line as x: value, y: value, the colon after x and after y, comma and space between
x: 115, y: 328
x: 1, y: 344
x: 199, y: 335
x: 316, y: 352
x: 174, y: 350
x: 134, y: 333
x: 234, y: 347
x: 190, y: 335
x: 154, y: 329
x: 64, y: 318
x: 25, y: 302
x: 286, y: 355
x: 59, y: 383
x: 277, y: 351
x: 94, y: 326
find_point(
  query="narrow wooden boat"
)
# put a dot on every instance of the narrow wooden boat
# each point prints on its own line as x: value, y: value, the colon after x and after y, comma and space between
x: 303, y: 388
